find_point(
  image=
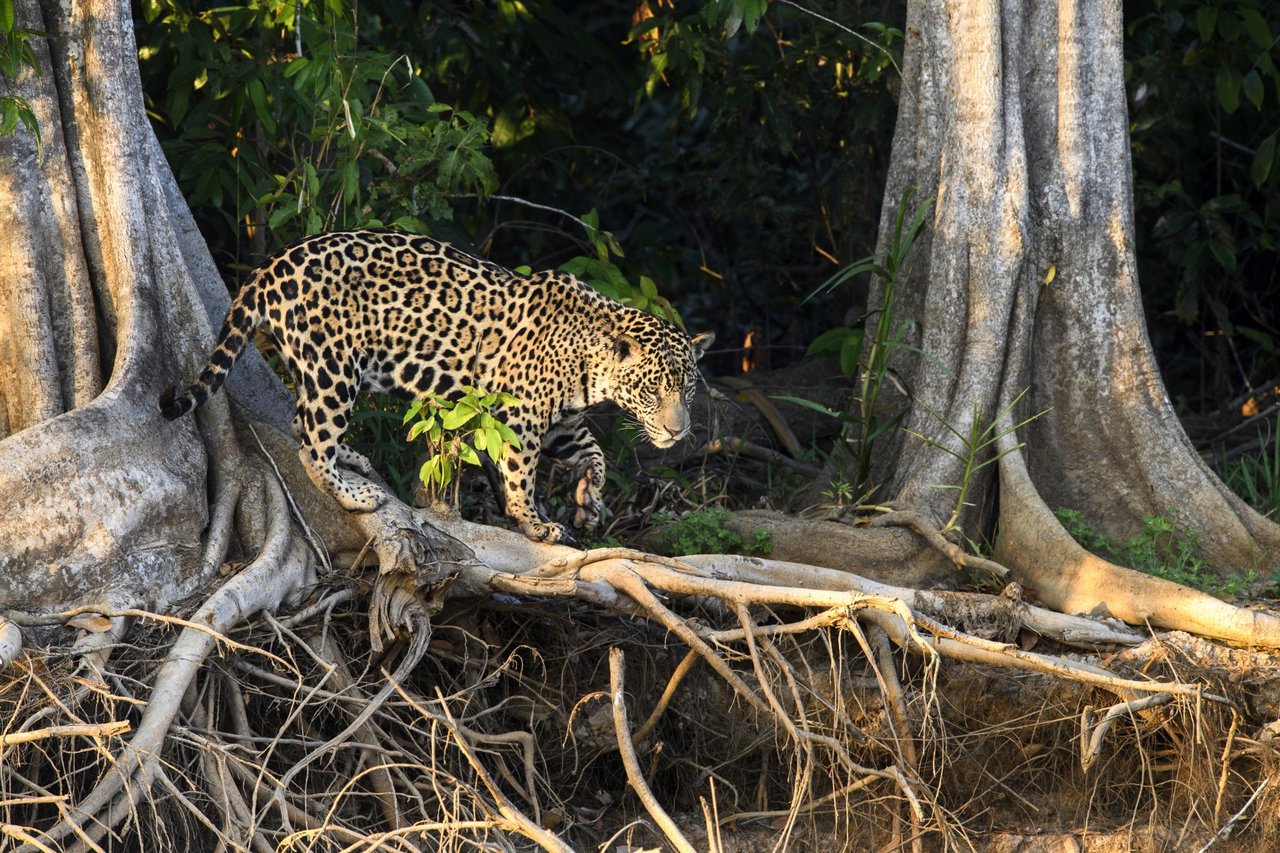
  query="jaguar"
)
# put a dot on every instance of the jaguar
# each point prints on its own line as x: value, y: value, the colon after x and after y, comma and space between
x: 386, y: 311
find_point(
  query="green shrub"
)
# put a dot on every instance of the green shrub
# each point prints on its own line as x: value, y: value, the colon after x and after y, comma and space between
x: 704, y: 531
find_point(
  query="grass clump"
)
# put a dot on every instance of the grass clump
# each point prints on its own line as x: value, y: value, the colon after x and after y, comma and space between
x: 1256, y: 477
x: 1159, y: 549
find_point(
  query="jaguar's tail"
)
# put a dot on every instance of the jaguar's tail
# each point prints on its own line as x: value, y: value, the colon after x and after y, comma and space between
x: 237, y: 329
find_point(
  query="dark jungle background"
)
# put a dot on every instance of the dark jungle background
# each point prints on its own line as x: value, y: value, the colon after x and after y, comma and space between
x: 676, y: 152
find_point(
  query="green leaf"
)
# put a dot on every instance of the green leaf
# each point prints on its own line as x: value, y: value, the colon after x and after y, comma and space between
x: 810, y: 404
x: 493, y: 442
x: 612, y: 243
x: 480, y: 439
x: 1256, y: 26
x: 1206, y: 17
x: 1259, y: 337
x: 467, y: 454
x: 409, y: 223
x: 869, y: 264
x: 1228, y: 86
x: 832, y: 340
x: 29, y: 120
x: 416, y: 430
x: 350, y: 181
x: 733, y: 22
x: 592, y: 220
x: 258, y: 97
x: 509, y: 435
x: 1252, y: 86
x: 1263, y: 161
x: 752, y: 12
x: 430, y: 470
x: 8, y: 116
x: 849, y: 354
x: 457, y: 417
x: 282, y: 214
x: 6, y: 16
x: 1224, y: 253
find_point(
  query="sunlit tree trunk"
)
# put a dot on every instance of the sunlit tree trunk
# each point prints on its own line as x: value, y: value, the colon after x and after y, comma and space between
x: 102, y: 277
x: 1013, y: 117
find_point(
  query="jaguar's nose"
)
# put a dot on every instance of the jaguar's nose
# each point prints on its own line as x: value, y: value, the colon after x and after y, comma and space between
x: 664, y: 436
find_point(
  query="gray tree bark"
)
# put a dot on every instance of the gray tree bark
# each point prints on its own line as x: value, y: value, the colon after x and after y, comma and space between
x: 1013, y: 117
x: 108, y: 295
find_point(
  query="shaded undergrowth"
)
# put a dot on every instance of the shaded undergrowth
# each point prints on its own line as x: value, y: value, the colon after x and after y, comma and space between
x: 511, y: 704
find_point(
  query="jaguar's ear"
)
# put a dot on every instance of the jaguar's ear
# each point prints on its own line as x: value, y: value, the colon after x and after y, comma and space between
x: 626, y: 349
x: 701, y: 343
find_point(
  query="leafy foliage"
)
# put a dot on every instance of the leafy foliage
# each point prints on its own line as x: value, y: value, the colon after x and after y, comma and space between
x: 1205, y: 87
x: 1159, y: 549
x: 16, y: 54
x: 276, y: 115
x: 456, y: 432
x: 977, y: 447
x: 864, y: 423
x: 600, y: 271
x: 1256, y: 477
x: 704, y: 531
x: 736, y: 145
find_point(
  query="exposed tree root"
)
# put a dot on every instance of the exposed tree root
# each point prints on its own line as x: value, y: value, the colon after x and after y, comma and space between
x: 627, y: 749
x: 1069, y: 579
x: 439, y: 749
x: 277, y: 572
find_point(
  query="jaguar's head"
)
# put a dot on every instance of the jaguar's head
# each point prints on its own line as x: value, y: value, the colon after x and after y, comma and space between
x: 653, y: 370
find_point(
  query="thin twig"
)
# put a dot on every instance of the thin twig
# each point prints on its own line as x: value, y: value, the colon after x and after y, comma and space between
x: 853, y: 33
x: 617, y: 674
x: 682, y: 669
x: 512, y: 815
x: 1226, y: 764
x: 101, y: 730
x: 1091, y: 742
x: 1227, y: 827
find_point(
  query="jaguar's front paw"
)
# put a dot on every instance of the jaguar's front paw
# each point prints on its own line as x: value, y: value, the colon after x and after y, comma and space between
x: 548, y: 532
x: 590, y: 503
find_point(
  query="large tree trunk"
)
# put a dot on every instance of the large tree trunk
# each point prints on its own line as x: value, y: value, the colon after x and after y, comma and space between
x: 1013, y: 117
x: 107, y: 502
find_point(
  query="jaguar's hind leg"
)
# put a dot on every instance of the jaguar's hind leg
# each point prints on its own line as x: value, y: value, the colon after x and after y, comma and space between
x: 347, y: 456
x: 320, y: 427
x: 354, y: 459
